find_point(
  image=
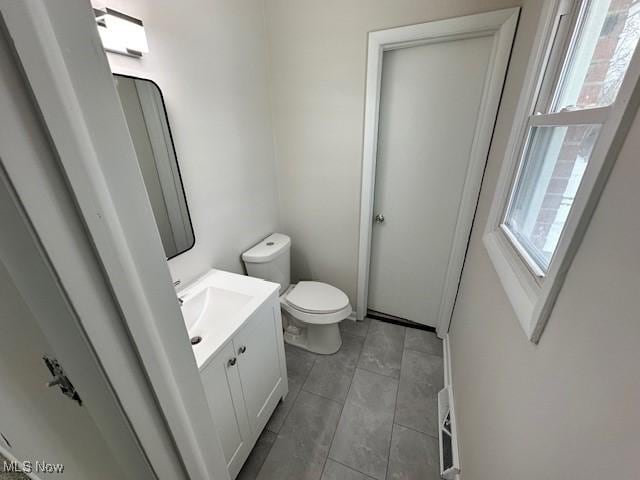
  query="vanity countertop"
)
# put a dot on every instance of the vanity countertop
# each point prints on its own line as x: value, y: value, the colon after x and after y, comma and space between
x: 217, y: 305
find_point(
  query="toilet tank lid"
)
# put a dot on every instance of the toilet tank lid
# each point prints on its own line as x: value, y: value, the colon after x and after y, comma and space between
x: 271, y: 247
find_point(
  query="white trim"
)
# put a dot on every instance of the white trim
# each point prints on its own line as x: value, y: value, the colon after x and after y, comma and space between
x: 572, y: 117
x: 448, y: 384
x: 446, y: 356
x: 67, y: 70
x: 500, y: 24
x: 526, y: 257
x: 496, y: 73
x: 531, y: 298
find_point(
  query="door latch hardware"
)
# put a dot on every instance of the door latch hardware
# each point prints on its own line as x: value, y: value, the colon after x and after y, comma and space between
x: 60, y: 379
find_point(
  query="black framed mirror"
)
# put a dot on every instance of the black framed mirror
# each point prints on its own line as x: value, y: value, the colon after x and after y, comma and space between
x: 148, y: 124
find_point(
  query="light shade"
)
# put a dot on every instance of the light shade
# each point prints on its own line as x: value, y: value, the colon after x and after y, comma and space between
x: 121, y: 33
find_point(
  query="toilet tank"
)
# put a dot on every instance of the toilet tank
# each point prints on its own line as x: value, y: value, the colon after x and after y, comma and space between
x: 270, y: 260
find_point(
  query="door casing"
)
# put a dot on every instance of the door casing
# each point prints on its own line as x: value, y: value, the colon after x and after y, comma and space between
x: 500, y: 24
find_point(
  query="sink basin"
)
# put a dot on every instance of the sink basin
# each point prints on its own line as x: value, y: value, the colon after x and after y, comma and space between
x: 210, y: 302
x: 217, y: 305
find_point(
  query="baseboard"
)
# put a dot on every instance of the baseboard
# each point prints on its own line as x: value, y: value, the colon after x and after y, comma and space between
x: 448, y: 383
x: 446, y: 351
x: 11, y: 458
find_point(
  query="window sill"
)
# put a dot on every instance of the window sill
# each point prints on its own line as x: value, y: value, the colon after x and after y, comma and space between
x: 533, y: 267
x: 518, y: 282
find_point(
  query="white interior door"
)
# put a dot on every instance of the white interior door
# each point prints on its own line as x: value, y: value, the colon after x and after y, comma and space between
x: 38, y: 316
x: 430, y: 102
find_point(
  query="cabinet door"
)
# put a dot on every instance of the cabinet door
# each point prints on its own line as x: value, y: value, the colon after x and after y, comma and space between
x: 224, y: 394
x: 259, y: 361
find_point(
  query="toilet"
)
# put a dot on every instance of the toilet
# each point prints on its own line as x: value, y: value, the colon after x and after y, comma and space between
x: 311, y: 311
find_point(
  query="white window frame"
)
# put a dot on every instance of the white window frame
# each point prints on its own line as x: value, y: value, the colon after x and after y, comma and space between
x: 531, y: 291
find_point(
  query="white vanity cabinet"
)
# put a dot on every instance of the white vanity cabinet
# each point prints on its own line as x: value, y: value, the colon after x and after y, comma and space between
x: 224, y: 393
x: 261, y: 374
x: 245, y: 380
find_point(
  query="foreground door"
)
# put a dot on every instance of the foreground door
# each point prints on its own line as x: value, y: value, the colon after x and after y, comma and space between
x: 88, y: 436
x: 430, y: 101
x: 39, y: 423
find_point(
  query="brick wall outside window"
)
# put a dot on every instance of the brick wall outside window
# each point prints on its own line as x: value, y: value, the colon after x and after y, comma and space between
x: 594, y: 89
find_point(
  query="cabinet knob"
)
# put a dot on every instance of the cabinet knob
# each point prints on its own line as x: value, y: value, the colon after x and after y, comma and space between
x: 232, y: 361
x: 242, y: 349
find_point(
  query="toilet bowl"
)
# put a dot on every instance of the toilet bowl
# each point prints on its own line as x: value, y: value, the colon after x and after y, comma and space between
x: 311, y: 311
x: 311, y: 314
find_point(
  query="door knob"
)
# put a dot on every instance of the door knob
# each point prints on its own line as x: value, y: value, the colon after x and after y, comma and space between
x: 242, y: 349
x: 379, y: 218
x: 232, y: 361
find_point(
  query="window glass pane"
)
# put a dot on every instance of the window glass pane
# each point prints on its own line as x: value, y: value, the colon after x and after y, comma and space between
x: 607, y: 37
x: 554, y: 163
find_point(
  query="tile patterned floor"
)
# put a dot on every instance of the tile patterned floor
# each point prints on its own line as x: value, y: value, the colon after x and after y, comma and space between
x: 368, y: 412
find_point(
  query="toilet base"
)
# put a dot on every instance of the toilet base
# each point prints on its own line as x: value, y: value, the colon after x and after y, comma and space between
x: 322, y: 339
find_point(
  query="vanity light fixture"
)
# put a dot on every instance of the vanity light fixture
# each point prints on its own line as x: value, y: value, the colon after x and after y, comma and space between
x: 121, y: 33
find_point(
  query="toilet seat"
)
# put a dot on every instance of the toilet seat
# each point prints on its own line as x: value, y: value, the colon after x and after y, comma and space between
x: 317, y: 297
x: 306, y: 307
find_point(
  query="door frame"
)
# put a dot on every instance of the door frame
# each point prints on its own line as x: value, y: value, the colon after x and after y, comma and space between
x: 65, y: 67
x: 501, y: 25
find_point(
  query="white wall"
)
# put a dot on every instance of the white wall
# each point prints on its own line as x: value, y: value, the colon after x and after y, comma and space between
x: 209, y: 59
x: 318, y: 64
x: 568, y: 407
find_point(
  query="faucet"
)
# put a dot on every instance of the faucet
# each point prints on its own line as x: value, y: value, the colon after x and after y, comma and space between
x: 175, y: 284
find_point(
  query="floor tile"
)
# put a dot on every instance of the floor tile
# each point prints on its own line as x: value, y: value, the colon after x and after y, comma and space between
x: 382, y: 350
x: 302, y: 446
x: 422, y: 341
x: 337, y: 471
x: 282, y: 409
x: 331, y: 374
x: 413, y: 456
x: 299, y: 364
x: 364, y: 432
x: 253, y: 464
x: 421, y: 379
x: 358, y: 328
x: 367, y: 445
